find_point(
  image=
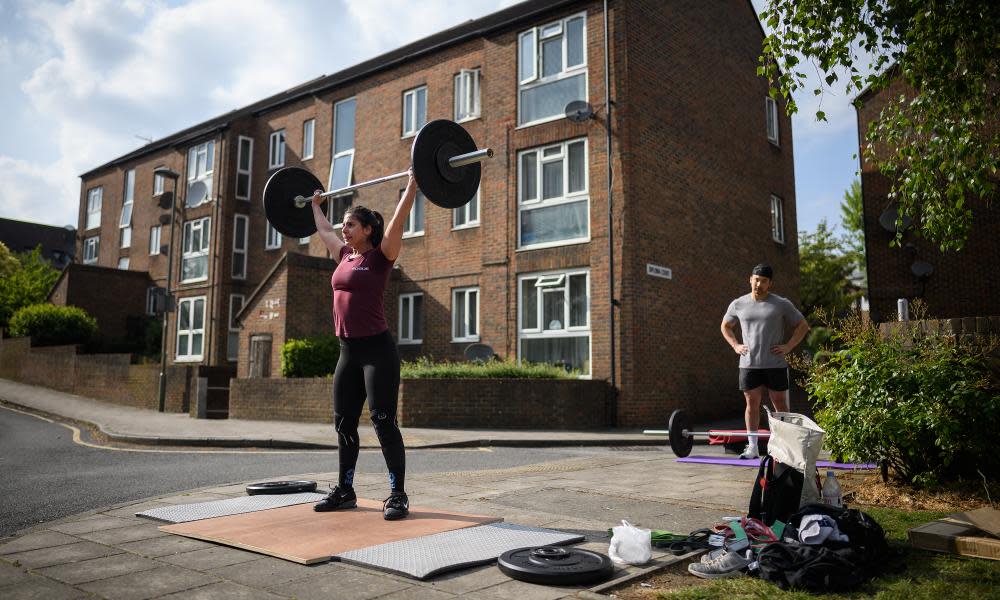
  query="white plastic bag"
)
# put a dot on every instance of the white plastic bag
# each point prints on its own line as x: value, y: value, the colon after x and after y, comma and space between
x: 630, y: 544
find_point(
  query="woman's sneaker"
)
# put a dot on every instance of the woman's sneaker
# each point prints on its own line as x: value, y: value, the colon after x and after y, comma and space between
x: 729, y: 564
x: 395, y: 507
x: 338, y: 499
x: 750, y: 452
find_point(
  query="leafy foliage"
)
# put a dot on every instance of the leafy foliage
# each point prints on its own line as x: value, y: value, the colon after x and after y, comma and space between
x: 311, y: 357
x: 825, y: 265
x: 50, y: 325
x: 25, y: 279
x: 936, y: 141
x: 919, y: 402
x: 426, y: 368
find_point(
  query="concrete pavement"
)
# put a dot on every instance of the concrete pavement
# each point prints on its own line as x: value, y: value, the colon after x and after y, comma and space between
x: 109, y: 553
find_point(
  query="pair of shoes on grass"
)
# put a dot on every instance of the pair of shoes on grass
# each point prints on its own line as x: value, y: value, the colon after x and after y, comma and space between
x: 720, y: 564
x: 395, y: 506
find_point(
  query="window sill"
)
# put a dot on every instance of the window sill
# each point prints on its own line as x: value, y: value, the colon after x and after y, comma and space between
x: 467, y: 119
x: 540, y: 122
x: 416, y: 234
x: 471, y: 340
x: 573, y: 242
x: 774, y: 143
x: 269, y: 248
x: 466, y: 226
x: 187, y: 281
x: 187, y: 359
x: 409, y: 342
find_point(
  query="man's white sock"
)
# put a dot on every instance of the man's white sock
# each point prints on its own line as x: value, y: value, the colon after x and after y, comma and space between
x: 752, y: 440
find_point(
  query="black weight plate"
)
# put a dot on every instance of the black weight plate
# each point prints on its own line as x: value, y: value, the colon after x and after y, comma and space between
x: 555, y: 565
x: 279, y: 201
x: 442, y: 184
x: 280, y: 487
x: 681, y: 444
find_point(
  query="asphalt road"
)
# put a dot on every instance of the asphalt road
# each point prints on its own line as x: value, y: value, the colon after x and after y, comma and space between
x: 45, y: 475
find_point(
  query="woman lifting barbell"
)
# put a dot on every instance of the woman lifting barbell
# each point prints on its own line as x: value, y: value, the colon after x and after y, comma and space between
x: 369, y: 362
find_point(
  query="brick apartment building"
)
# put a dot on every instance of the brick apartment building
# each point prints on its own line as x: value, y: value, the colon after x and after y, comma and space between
x: 962, y: 284
x: 702, y: 188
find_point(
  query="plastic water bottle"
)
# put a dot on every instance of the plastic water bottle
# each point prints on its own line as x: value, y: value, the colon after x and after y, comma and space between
x: 831, y: 490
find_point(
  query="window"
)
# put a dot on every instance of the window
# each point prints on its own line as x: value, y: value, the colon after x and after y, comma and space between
x: 94, y: 201
x: 308, y: 133
x: 467, y: 95
x: 244, y: 168
x: 126, y: 237
x: 342, y: 164
x: 467, y: 215
x: 552, y: 69
x: 273, y: 238
x: 194, y: 262
x: 241, y: 228
x: 151, y: 293
x: 465, y: 315
x: 414, y: 110
x: 276, y: 152
x: 154, y: 240
x: 554, y: 319
x: 415, y: 220
x: 123, y: 263
x: 158, y: 181
x: 777, y: 220
x: 91, y: 247
x: 411, y: 316
x: 190, y: 328
x: 233, y: 341
x: 201, y: 165
x: 125, y: 222
x: 772, y: 120
x: 338, y: 206
x: 553, y: 199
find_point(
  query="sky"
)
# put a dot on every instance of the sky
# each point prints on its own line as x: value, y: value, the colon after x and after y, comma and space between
x: 85, y: 81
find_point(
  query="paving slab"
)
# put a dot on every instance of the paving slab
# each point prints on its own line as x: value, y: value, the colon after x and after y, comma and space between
x: 342, y: 584
x: 148, y: 584
x: 94, y: 523
x: 123, y: 535
x: 223, y: 591
x: 268, y: 571
x: 35, y: 540
x: 98, y: 568
x: 39, y: 588
x: 9, y: 574
x: 162, y: 546
x: 47, y: 557
x: 210, y: 558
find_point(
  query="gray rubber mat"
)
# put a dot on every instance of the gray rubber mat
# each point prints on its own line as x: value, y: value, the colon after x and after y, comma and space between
x: 184, y: 513
x: 430, y: 555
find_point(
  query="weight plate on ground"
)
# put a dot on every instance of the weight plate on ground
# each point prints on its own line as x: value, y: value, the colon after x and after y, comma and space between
x: 555, y: 565
x: 279, y: 201
x: 681, y: 444
x: 280, y: 487
x: 442, y: 184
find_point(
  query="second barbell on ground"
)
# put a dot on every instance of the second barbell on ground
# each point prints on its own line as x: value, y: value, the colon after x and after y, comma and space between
x: 682, y: 437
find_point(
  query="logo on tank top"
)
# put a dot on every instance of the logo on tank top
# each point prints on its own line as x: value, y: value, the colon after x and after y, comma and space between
x: 360, y: 269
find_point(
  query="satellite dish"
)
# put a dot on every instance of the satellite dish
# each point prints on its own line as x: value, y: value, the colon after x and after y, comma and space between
x: 922, y: 269
x: 69, y: 228
x: 479, y: 352
x: 888, y: 219
x: 197, y: 193
x: 579, y: 111
x: 166, y: 200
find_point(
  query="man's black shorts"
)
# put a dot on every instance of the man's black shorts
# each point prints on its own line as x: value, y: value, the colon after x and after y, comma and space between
x: 774, y: 379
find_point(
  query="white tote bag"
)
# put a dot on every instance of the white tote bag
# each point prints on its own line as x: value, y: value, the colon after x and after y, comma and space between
x: 796, y: 440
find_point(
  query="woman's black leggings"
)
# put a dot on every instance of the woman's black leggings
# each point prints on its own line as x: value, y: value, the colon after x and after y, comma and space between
x: 368, y: 367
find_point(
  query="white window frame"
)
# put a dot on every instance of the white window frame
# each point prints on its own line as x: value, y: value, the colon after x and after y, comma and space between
x: 409, y: 228
x: 245, y: 242
x: 462, y: 295
x: 234, y: 327
x: 342, y: 153
x: 150, y: 300
x: 412, y: 131
x: 777, y: 219
x: 127, y: 204
x: 204, y: 226
x: 276, y: 150
x: 91, y: 249
x: 567, y: 197
x: 308, y: 138
x: 534, y: 78
x: 125, y: 238
x: 551, y: 281
x: 241, y: 172
x: 189, y: 304
x: 463, y: 213
x: 95, y: 198
x: 771, y: 108
x: 201, y: 167
x: 467, y: 96
x: 158, y: 181
x: 155, y: 239
x: 272, y: 238
x: 409, y: 319
x: 123, y: 263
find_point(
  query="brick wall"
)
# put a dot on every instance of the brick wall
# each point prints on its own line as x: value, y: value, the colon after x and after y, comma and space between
x: 114, y: 297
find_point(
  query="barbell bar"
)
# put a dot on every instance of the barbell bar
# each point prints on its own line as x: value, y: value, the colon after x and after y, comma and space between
x: 446, y: 164
x: 682, y: 437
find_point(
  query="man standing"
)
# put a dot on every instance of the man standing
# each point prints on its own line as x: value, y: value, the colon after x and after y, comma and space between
x: 762, y: 317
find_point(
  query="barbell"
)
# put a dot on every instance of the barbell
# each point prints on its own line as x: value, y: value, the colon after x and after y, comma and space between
x: 445, y: 162
x: 682, y: 438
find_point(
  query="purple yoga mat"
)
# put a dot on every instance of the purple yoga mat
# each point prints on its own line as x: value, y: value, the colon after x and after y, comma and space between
x: 755, y: 462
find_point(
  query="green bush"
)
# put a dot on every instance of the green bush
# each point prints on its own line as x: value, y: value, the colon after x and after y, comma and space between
x: 25, y: 279
x: 50, y: 325
x: 922, y: 404
x: 311, y: 357
x: 425, y: 368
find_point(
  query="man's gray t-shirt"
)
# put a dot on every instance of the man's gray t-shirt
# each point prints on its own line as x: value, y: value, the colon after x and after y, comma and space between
x: 763, y: 323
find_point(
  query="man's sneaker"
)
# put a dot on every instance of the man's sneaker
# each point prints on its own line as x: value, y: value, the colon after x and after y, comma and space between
x: 728, y: 564
x: 395, y: 507
x: 338, y: 499
x: 712, y: 555
x: 750, y: 452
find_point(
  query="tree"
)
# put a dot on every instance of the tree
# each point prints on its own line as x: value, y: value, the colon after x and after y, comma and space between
x: 825, y: 266
x: 938, y: 142
x: 26, y: 280
x: 853, y: 219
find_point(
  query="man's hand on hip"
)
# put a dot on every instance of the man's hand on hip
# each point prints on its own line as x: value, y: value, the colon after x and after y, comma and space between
x: 780, y: 349
x: 741, y: 349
